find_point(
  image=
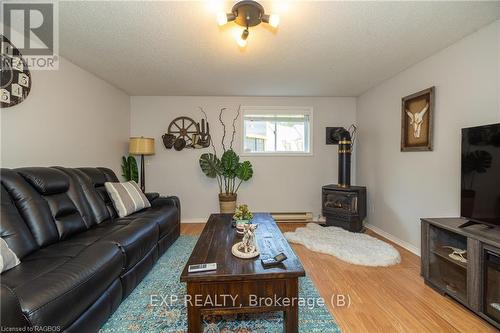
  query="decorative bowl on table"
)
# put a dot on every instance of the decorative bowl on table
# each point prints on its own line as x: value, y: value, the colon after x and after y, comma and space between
x: 240, y: 225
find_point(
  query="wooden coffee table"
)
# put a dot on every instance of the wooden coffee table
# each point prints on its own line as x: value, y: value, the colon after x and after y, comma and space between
x: 242, y: 285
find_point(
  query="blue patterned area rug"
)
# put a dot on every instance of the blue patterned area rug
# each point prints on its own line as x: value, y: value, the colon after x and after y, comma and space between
x: 156, y: 304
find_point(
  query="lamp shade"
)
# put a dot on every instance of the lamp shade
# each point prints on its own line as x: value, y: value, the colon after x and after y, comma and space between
x: 141, y: 146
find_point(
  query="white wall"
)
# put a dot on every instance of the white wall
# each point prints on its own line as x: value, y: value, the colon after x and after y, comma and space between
x: 403, y: 187
x: 70, y: 118
x: 279, y: 183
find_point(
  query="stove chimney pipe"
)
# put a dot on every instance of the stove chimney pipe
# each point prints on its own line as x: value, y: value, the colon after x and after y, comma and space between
x: 345, y: 146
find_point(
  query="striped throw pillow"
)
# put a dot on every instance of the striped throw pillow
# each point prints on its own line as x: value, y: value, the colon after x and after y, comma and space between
x: 8, y: 258
x: 127, y: 197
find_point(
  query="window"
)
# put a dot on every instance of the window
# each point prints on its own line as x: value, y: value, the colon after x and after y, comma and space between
x: 277, y: 130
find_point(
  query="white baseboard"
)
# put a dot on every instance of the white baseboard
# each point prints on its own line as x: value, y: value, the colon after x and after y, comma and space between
x: 194, y: 220
x: 402, y: 243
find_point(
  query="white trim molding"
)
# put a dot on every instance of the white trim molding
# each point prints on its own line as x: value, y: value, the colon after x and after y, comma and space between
x: 195, y: 220
x: 413, y: 249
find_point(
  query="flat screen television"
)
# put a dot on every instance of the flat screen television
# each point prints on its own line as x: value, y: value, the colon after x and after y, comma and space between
x: 480, y: 189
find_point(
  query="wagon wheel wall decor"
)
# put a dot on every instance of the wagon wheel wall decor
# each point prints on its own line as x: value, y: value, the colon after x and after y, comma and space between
x: 185, y: 128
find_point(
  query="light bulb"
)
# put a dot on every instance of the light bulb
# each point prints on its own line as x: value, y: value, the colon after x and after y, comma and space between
x: 274, y: 20
x: 244, y: 34
x: 221, y: 18
x: 242, y: 39
x: 241, y: 42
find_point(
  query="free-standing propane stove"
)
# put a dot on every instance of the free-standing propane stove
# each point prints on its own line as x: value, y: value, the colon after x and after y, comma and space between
x: 343, y: 205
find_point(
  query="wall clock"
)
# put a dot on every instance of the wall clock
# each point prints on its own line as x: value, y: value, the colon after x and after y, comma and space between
x: 15, y: 76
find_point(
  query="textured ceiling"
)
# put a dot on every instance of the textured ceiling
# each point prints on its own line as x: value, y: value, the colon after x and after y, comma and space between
x: 319, y: 49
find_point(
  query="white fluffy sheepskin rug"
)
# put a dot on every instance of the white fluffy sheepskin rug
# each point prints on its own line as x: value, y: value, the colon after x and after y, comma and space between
x: 355, y: 248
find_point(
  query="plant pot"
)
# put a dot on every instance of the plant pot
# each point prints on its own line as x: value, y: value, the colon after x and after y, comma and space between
x: 242, y: 222
x: 240, y: 225
x: 227, y: 203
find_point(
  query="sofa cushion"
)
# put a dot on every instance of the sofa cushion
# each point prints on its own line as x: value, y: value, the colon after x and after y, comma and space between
x: 53, y: 186
x: 67, y: 218
x: 166, y: 217
x: 45, y: 180
x: 13, y: 229
x: 8, y: 259
x: 152, y: 196
x: 85, y: 197
x: 30, y: 270
x: 67, y: 249
x: 31, y: 206
x: 96, y: 233
x: 108, y: 174
x: 96, y: 204
x: 135, y: 241
x: 127, y: 197
x: 98, y: 177
x: 63, y: 288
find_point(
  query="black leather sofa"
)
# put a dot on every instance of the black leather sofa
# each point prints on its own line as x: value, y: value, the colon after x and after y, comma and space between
x: 78, y: 259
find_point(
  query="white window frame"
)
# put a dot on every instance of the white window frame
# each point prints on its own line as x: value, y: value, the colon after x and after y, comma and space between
x: 303, y: 110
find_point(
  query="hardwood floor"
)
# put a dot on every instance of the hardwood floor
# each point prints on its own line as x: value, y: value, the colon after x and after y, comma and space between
x: 382, y: 299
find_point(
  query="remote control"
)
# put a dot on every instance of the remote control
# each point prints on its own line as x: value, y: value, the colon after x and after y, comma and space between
x: 202, y: 267
x: 270, y: 262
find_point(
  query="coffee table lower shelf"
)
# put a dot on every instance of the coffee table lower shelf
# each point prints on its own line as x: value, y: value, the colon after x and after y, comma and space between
x: 247, y: 296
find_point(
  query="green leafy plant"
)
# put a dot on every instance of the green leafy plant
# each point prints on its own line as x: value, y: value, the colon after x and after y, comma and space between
x: 242, y: 213
x: 228, y: 170
x: 210, y: 165
x: 129, y: 169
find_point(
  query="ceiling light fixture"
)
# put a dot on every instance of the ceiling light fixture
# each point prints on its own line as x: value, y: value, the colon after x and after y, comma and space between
x: 247, y: 13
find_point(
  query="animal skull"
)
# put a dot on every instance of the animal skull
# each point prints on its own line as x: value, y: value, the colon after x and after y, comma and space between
x: 416, y: 119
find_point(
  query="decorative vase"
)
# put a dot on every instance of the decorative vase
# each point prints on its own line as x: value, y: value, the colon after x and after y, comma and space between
x: 227, y: 203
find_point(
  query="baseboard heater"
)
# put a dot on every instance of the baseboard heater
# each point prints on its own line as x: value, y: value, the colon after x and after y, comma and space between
x: 301, y: 217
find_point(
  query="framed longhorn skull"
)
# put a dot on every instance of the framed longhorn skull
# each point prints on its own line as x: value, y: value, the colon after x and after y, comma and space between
x: 417, y: 112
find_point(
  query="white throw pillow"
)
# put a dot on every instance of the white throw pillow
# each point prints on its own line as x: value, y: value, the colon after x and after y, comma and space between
x: 8, y: 258
x: 127, y: 197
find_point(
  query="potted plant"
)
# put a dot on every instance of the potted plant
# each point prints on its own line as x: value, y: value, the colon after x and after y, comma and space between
x: 228, y: 170
x: 129, y: 169
x: 242, y: 215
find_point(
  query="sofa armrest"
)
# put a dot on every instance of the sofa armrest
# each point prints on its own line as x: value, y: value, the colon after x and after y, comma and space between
x: 152, y: 196
x: 10, y: 310
x: 168, y: 201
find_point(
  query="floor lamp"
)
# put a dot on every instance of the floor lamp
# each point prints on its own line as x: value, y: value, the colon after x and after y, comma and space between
x: 141, y: 146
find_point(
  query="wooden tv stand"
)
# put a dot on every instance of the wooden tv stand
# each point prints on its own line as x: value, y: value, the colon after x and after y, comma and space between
x: 474, y: 283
